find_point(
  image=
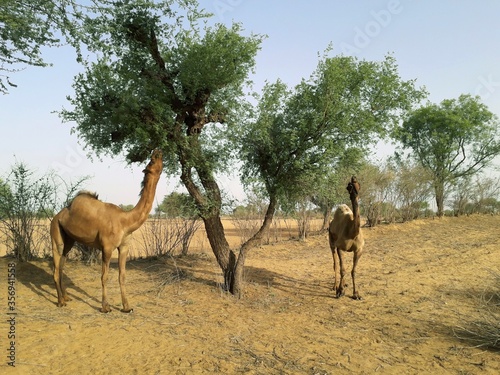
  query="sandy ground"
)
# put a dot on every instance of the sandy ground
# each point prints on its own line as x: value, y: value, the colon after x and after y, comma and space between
x: 419, y: 281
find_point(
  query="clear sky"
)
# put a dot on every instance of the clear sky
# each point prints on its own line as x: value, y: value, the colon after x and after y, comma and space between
x: 449, y: 46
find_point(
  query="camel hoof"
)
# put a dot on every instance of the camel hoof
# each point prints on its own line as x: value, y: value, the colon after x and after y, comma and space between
x: 127, y: 311
x: 339, y: 293
x: 357, y: 298
x: 61, y: 303
x: 105, y: 309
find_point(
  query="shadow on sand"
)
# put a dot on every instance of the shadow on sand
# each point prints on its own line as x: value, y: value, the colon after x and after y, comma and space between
x: 37, y: 277
x: 286, y: 283
x: 191, y: 267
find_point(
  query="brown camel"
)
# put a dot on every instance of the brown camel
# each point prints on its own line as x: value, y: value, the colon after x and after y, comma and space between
x: 345, y: 235
x: 104, y: 226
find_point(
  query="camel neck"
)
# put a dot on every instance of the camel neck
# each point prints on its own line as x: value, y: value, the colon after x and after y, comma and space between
x: 356, y: 217
x: 139, y: 214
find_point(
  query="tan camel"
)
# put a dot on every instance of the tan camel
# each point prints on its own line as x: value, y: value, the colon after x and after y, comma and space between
x: 104, y: 226
x: 345, y: 235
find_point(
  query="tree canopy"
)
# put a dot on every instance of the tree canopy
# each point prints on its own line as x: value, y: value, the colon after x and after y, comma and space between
x: 300, y: 134
x: 457, y: 138
x: 156, y: 80
x: 178, y: 205
x: 25, y: 27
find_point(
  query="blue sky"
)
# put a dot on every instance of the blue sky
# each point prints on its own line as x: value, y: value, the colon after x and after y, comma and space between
x: 451, y: 47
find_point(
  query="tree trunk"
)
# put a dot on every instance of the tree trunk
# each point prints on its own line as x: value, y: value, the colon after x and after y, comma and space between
x: 209, y: 201
x: 255, y: 240
x: 439, y: 191
x: 226, y: 258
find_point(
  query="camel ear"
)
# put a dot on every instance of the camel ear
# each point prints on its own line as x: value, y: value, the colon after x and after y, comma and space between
x: 353, y: 188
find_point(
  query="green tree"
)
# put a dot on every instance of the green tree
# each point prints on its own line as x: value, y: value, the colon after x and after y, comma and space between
x: 178, y: 205
x: 412, y: 188
x: 377, y: 182
x: 457, y: 138
x: 24, y: 198
x: 6, y: 195
x: 157, y: 81
x: 299, y: 134
x: 329, y: 187
x: 25, y: 27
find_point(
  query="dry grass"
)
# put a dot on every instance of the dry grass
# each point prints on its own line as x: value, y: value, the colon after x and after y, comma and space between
x: 420, y: 282
x: 483, y: 330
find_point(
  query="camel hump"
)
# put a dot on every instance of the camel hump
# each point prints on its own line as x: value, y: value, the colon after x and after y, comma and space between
x: 84, y: 193
x: 89, y: 193
x: 344, y: 208
x: 341, y: 211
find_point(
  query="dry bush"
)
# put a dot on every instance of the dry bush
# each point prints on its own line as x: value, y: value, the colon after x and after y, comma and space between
x: 246, y: 227
x: 484, y: 331
x: 303, y: 215
x: 168, y: 276
x: 168, y: 236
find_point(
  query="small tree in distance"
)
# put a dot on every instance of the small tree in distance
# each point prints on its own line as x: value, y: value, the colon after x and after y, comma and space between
x: 455, y: 139
x: 376, y: 195
x: 24, y: 198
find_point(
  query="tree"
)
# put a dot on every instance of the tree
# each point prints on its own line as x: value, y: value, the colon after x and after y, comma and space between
x: 5, y: 193
x: 300, y: 134
x: 178, y: 205
x: 25, y: 27
x: 486, y: 192
x: 376, y: 188
x: 157, y: 81
x: 413, y: 188
x: 329, y: 188
x: 455, y: 139
x: 462, y: 195
x: 23, y: 199
x: 479, y: 196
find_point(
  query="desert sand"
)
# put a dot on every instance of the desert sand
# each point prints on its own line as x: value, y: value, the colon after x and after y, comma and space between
x: 420, y: 282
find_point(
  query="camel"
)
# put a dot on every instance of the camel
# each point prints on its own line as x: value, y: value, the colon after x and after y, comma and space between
x: 345, y: 234
x: 102, y: 225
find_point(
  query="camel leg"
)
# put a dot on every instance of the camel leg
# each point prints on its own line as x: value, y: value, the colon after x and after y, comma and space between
x: 331, y: 240
x: 62, y: 295
x: 356, y: 256
x: 122, y: 260
x: 57, y: 250
x: 61, y: 268
x: 60, y: 248
x: 335, y: 269
x: 68, y: 245
x: 106, y: 258
x: 58, y: 275
x: 341, y: 285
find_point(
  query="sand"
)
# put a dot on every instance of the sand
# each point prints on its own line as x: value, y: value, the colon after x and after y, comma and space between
x: 420, y: 282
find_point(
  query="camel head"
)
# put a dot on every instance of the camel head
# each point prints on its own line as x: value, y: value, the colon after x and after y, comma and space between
x: 353, y: 188
x: 156, y: 164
